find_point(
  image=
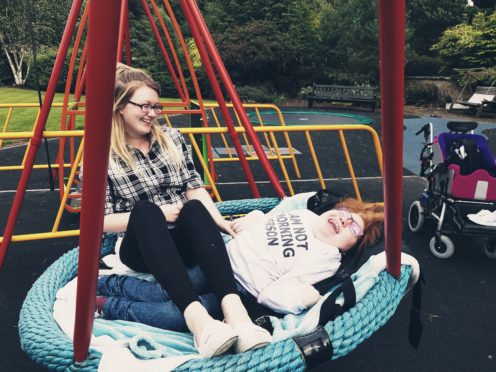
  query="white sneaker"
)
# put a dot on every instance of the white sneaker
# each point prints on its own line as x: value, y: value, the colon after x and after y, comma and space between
x: 215, y: 339
x: 251, y: 336
x: 483, y: 217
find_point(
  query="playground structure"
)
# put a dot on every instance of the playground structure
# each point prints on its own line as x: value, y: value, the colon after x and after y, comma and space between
x: 96, y: 79
x: 482, y: 99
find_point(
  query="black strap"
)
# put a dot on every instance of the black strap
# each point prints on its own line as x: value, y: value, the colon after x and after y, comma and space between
x: 316, y: 347
x: 330, y: 310
x: 416, y: 327
x: 349, y: 264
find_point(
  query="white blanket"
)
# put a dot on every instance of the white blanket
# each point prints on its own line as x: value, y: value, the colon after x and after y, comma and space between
x: 125, y: 345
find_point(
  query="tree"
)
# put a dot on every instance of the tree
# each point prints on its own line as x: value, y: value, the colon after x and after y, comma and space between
x: 485, y: 4
x: 471, y: 45
x: 428, y: 19
x: 349, y: 33
x: 282, y: 36
x: 22, y: 24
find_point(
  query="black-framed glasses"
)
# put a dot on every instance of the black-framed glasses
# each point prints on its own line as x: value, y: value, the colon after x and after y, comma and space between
x: 146, y: 108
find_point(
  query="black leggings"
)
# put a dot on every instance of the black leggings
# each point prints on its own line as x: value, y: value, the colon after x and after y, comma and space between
x: 150, y: 246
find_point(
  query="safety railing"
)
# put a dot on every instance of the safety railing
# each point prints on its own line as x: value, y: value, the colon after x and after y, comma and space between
x: 64, y: 118
x: 317, y: 131
x: 254, y: 111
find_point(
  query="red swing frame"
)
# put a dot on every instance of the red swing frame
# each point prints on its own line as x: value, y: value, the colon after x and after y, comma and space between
x: 105, y: 35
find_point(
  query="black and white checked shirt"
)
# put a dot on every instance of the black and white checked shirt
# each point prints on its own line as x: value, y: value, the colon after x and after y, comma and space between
x: 156, y: 178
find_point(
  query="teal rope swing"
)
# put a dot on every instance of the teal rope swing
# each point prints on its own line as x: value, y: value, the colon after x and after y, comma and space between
x: 42, y: 339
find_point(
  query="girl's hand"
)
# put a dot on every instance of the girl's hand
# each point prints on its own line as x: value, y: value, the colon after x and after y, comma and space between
x: 171, y: 211
x: 226, y: 227
x: 245, y: 222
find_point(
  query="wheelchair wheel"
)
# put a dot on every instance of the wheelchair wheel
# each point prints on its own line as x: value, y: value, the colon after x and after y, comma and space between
x: 444, y: 249
x: 416, y: 217
x: 490, y: 249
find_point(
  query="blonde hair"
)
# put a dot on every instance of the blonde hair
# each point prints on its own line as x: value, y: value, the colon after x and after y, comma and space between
x: 373, y: 219
x: 128, y: 80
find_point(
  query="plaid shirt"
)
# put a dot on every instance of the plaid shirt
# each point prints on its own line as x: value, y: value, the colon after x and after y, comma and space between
x: 155, y: 178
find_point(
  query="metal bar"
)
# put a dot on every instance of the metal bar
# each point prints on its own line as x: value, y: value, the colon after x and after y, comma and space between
x: 38, y: 131
x: 219, y: 97
x: 128, y: 45
x: 205, y: 167
x: 229, y: 86
x: 161, y: 45
x: 288, y: 141
x: 281, y: 164
x: 172, y: 49
x: 6, y: 125
x: 344, y: 146
x: 123, y: 27
x: 315, y: 159
x: 103, y: 28
x: 67, y: 187
x: 191, y: 68
x: 41, y: 236
x: 392, y: 53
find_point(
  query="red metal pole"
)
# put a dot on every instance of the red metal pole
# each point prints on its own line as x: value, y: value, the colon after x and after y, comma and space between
x: 124, y: 19
x: 103, y: 28
x: 161, y: 45
x: 38, y: 130
x: 392, y: 48
x: 220, y: 99
x: 128, y: 44
x: 229, y: 86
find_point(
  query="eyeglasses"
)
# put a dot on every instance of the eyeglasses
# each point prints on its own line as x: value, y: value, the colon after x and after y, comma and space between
x: 355, y: 228
x: 146, y: 108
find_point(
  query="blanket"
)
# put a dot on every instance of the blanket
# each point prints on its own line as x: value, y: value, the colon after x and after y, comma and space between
x: 129, y: 346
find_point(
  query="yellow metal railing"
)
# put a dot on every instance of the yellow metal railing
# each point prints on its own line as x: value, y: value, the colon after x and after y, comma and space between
x: 255, y: 110
x: 270, y: 132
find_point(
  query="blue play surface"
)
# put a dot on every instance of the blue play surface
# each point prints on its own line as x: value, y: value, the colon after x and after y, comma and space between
x: 412, y: 144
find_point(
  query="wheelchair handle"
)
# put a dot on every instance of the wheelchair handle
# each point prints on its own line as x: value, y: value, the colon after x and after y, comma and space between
x: 425, y: 129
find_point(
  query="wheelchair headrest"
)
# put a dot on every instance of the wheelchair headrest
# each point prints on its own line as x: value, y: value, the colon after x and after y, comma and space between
x: 486, y: 156
x: 461, y: 126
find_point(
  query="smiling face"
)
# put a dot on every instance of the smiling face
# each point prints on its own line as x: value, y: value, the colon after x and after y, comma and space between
x: 339, y: 228
x: 137, y: 123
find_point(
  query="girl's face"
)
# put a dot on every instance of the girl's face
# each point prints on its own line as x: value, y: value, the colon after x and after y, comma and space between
x: 340, y: 228
x: 138, y: 122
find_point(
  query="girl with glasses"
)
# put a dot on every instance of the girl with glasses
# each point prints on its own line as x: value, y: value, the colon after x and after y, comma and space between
x: 157, y: 203
x: 276, y: 259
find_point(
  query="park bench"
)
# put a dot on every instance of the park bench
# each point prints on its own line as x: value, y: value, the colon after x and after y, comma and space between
x: 341, y: 93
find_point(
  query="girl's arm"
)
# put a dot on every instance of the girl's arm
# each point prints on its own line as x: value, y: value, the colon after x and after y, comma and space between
x: 245, y: 222
x: 289, y: 297
x: 115, y: 222
x: 202, y: 195
x: 309, y: 295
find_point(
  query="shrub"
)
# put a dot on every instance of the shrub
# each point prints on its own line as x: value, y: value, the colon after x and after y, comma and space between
x: 45, y: 60
x: 256, y: 94
x: 421, y: 65
x: 422, y: 94
x: 305, y: 92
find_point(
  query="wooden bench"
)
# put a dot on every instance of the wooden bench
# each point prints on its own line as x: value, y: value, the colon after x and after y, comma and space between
x: 341, y: 93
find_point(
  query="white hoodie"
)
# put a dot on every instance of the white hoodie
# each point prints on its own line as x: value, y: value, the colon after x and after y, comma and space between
x: 273, y: 257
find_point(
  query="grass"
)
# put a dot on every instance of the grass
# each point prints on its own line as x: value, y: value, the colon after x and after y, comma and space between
x: 23, y: 118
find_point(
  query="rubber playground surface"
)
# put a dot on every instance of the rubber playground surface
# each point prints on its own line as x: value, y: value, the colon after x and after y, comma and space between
x: 459, y: 296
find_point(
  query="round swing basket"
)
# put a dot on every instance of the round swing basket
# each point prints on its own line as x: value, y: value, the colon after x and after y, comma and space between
x: 43, y: 340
